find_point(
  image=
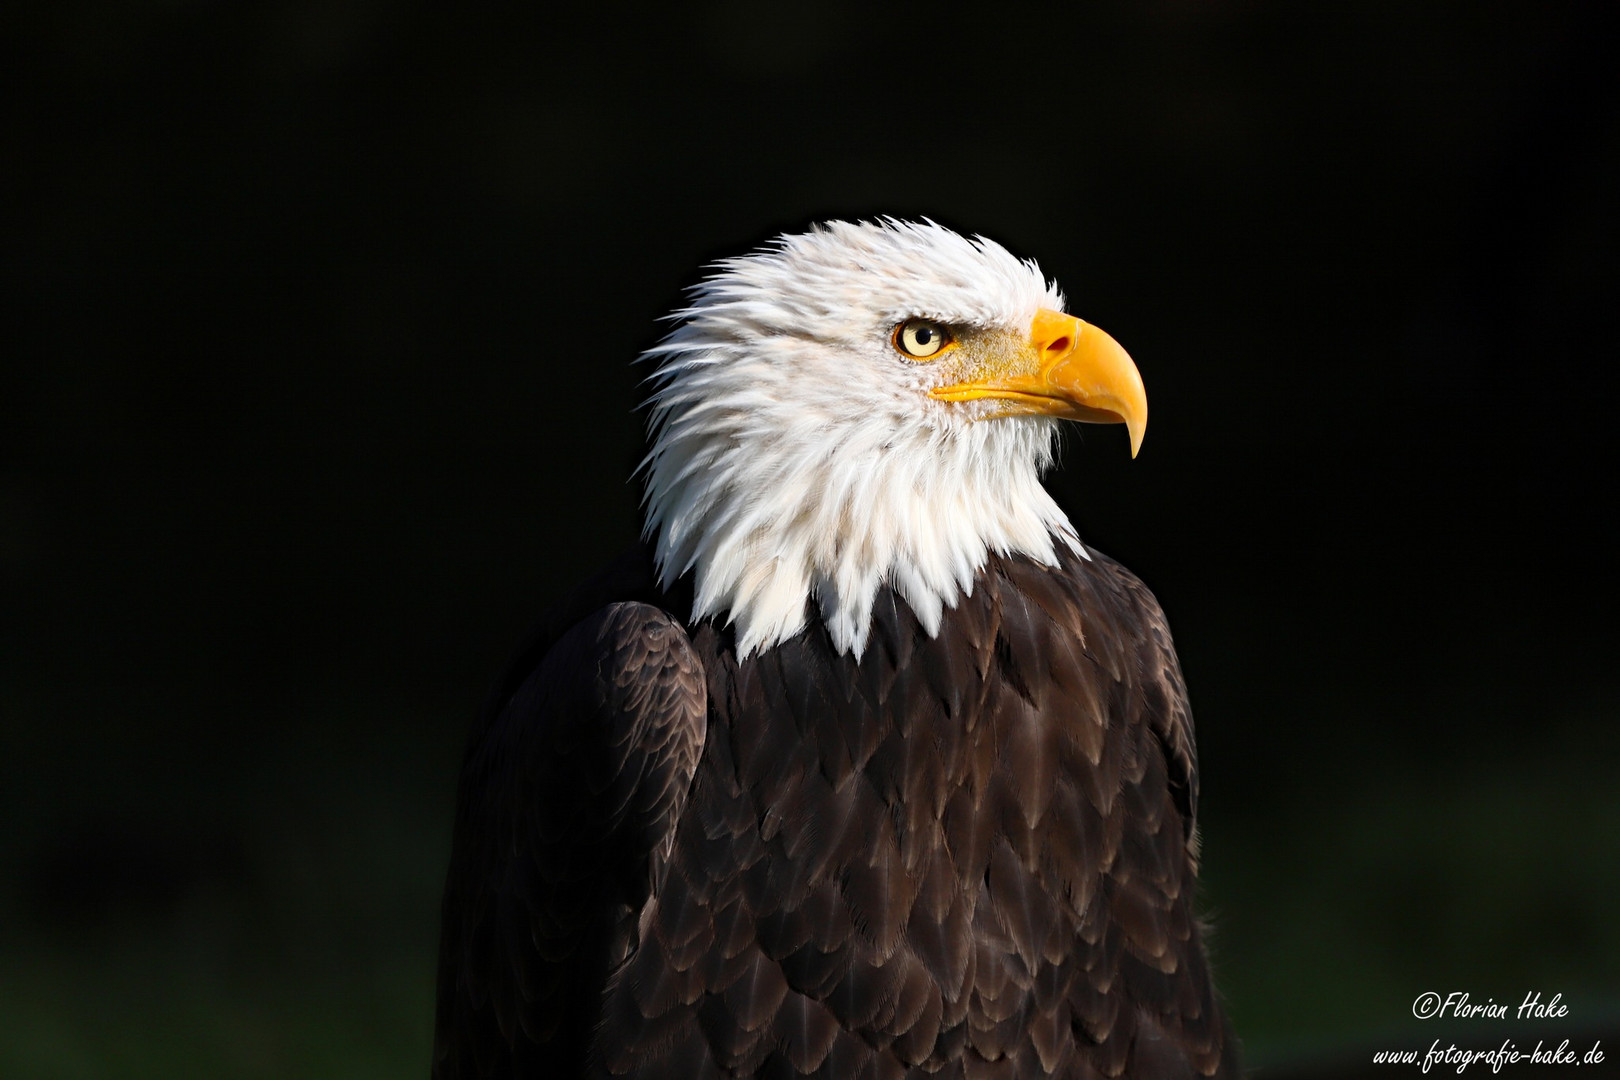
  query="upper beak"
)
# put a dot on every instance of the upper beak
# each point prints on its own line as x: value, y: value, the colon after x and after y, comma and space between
x: 1075, y: 371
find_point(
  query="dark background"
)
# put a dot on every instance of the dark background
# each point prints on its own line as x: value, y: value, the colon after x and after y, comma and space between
x: 317, y: 328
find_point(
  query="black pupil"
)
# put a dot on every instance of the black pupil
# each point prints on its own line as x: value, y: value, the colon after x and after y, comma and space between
x: 924, y: 334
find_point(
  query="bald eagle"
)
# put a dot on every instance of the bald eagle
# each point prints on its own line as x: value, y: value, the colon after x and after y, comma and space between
x: 862, y: 765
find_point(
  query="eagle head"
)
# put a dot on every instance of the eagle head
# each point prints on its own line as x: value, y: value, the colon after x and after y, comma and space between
x: 866, y: 405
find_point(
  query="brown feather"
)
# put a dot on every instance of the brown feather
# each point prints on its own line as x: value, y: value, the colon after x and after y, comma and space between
x: 968, y: 855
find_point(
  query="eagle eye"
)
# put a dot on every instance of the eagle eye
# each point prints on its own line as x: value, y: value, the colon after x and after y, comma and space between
x: 921, y: 339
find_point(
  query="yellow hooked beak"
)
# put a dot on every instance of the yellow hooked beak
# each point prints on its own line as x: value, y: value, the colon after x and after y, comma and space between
x: 1072, y: 370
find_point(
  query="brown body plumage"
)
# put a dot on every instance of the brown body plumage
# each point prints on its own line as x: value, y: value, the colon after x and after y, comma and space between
x: 971, y: 854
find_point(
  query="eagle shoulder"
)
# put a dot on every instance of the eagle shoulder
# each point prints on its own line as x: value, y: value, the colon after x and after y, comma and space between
x: 568, y: 802
x: 1123, y: 642
x: 1161, y: 701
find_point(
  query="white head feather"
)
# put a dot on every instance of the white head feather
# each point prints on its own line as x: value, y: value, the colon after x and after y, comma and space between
x: 796, y: 455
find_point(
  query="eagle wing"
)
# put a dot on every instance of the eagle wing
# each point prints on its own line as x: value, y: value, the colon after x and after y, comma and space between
x: 567, y: 809
x: 1180, y: 1029
x: 1163, y: 698
x: 1145, y: 1003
